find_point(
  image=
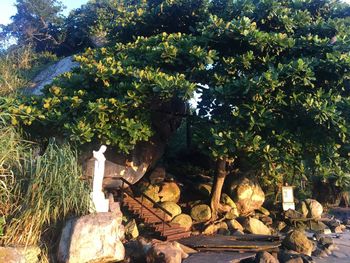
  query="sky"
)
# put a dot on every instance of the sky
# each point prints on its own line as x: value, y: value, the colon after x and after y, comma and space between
x: 7, y: 8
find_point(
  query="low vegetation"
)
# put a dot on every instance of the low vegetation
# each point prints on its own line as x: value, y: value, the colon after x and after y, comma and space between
x: 37, y: 192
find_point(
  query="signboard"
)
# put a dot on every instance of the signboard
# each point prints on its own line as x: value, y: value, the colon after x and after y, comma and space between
x: 287, y: 198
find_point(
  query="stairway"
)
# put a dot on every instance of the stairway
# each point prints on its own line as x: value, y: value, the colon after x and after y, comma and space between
x: 155, y: 218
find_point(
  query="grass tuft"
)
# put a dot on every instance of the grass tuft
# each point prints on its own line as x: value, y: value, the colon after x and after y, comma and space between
x: 38, y: 192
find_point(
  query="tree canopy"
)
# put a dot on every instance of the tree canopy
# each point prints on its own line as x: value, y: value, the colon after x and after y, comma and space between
x: 37, y: 22
x: 273, y: 79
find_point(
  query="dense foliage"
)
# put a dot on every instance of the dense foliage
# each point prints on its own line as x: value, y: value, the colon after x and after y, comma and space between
x: 272, y: 76
x: 278, y: 92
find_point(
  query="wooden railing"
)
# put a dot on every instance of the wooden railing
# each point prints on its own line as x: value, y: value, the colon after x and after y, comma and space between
x: 143, y: 195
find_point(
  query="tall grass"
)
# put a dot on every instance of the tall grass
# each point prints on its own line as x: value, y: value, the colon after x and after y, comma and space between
x: 19, y: 66
x: 37, y: 192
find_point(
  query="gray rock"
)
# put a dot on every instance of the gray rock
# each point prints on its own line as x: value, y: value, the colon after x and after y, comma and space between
x: 46, y: 76
x: 314, y: 207
x: 265, y: 257
x: 266, y: 220
x: 247, y: 194
x: 27, y: 254
x: 290, y: 213
x: 92, y: 238
x: 286, y: 257
x: 319, y: 253
x: 169, y: 252
x: 238, y: 233
x: 325, y: 241
x: 318, y: 226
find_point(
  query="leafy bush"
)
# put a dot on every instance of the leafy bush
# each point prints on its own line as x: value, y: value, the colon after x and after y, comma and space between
x: 112, y: 96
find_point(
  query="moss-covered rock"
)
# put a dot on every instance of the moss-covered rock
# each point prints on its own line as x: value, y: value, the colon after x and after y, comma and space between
x: 298, y: 241
x: 263, y: 211
x: 214, y: 228
x: 183, y: 220
x: 173, y: 208
x: 152, y: 192
x: 233, y: 213
x: 170, y: 192
x: 201, y: 213
x: 205, y: 189
x: 233, y: 224
x: 131, y: 229
x: 255, y: 226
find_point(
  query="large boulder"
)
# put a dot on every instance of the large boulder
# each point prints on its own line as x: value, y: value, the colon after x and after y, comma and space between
x: 183, y: 220
x: 311, y: 208
x: 255, y: 226
x: 92, y: 238
x: 298, y: 241
x: 169, y: 252
x: 27, y: 254
x: 169, y: 192
x: 173, y: 208
x: 247, y: 195
x: 46, y: 76
x: 201, y: 213
x: 157, y: 176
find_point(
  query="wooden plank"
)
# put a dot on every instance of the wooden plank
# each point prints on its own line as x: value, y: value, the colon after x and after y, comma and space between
x: 240, y: 250
x: 227, y: 242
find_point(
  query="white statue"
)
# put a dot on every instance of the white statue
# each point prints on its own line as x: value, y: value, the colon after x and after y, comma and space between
x: 99, y: 202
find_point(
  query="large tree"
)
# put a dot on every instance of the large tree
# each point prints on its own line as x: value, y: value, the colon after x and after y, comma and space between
x: 277, y: 100
x: 273, y: 79
x: 130, y: 95
x: 37, y: 22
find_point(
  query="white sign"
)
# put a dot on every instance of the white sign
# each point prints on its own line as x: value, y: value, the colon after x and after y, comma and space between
x: 287, y: 198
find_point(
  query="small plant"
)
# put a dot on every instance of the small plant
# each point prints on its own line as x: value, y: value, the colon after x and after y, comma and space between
x: 2, y: 223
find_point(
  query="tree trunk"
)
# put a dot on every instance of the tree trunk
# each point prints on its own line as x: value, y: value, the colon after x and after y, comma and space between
x: 216, y: 206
